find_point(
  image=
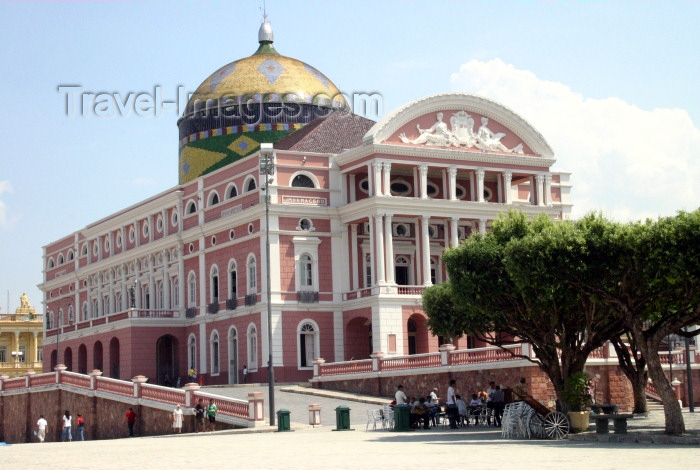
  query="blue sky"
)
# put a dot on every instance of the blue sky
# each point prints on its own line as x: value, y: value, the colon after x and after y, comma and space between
x: 611, y: 85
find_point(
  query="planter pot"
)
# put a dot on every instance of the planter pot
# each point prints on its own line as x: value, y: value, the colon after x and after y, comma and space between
x: 579, y: 420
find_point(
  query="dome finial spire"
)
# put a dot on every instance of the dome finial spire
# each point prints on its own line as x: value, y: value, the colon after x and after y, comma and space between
x: 265, y: 35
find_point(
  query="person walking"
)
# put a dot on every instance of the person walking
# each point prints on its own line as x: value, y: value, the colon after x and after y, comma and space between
x: 211, y: 414
x: 41, y: 427
x: 199, y: 417
x: 177, y: 419
x: 499, y: 404
x: 245, y: 374
x: 130, y: 420
x: 452, y: 412
x: 80, y: 429
x: 65, y: 434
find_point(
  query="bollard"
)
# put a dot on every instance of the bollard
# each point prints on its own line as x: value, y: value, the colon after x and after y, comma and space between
x: 282, y: 420
x: 315, y: 414
x: 342, y: 419
x: 402, y: 418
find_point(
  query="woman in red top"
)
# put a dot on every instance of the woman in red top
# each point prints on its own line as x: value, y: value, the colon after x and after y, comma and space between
x: 81, y: 428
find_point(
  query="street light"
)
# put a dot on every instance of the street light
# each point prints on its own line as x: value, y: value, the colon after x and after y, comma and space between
x: 267, y: 168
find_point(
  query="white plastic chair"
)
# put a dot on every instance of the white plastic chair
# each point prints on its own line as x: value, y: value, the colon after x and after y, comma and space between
x: 374, y: 417
x: 388, y: 417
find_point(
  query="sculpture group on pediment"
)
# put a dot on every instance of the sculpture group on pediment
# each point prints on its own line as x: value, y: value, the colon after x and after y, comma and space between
x: 461, y: 134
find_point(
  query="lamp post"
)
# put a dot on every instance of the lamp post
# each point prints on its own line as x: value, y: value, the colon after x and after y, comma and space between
x: 267, y: 169
x: 689, y: 377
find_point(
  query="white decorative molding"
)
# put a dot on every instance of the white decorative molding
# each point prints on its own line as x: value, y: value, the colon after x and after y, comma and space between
x: 305, y: 201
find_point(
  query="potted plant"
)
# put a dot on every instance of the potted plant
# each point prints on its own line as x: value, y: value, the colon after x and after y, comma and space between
x: 577, y: 395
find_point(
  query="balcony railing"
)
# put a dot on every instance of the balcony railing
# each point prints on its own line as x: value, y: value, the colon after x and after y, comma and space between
x: 251, y: 299
x: 191, y: 312
x: 307, y: 297
x: 231, y: 304
x: 213, y: 307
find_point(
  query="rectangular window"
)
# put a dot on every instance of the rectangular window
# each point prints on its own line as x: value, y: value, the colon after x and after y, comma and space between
x: 233, y: 286
x: 3, y: 354
x: 23, y: 354
x: 215, y: 357
x: 39, y: 354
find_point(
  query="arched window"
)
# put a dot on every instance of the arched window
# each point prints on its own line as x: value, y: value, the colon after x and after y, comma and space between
x: 302, y: 181
x: 51, y: 322
x: 191, y: 207
x: 174, y: 292
x: 232, y: 280
x: 60, y: 259
x: 85, y: 311
x: 307, y: 343
x: 192, y: 353
x: 160, y: 295
x: 252, y: 275
x: 306, y: 278
x: 250, y: 185
x: 232, y: 192
x: 51, y: 265
x: 71, y: 316
x: 214, y: 284
x: 192, y: 290
x: 252, y: 348
x: 213, y: 198
x: 214, y: 351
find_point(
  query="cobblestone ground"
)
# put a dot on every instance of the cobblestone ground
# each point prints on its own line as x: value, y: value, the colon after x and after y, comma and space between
x: 308, y: 447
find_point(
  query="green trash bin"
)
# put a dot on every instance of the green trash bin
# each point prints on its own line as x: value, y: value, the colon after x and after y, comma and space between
x: 342, y: 419
x: 402, y: 418
x: 282, y: 420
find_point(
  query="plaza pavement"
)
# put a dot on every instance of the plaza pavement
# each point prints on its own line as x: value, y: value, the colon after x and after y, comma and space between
x: 321, y: 447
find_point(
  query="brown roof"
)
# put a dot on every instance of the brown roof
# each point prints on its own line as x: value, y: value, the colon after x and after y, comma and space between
x: 338, y: 131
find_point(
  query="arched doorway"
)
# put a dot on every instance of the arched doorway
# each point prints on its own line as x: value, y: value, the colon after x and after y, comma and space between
x: 97, y: 356
x: 233, y: 356
x: 358, y: 339
x: 417, y: 334
x: 68, y: 359
x: 82, y: 359
x: 114, y: 358
x: 166, y: 360
x: 54, y: 363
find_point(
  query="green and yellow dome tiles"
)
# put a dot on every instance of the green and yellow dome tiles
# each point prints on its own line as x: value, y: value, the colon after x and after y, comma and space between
x: 257, y: 89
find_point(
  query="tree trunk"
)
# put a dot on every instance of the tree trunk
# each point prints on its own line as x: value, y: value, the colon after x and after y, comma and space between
x: 634, y: 368
x: 672, y: 409
x: 639, y: 390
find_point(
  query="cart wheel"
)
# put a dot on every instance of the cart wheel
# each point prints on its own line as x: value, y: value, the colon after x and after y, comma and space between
x: 556, y: 425
x: 537, y: 426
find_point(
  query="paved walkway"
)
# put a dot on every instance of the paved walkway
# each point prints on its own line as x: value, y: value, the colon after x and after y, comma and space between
x: 309, y: 447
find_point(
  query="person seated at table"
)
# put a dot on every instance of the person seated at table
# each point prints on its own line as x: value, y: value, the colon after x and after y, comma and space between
x: 431, y: 412
x: 474, y: 407
x: 462, y: 410
x: 418, y: 413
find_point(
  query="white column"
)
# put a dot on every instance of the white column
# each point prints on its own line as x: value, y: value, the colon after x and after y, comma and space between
x: 387, y: 178
x: 370, y: 182
x: 482, y: 226
x: 166, y: 284
x: 423, y: 169
x: 125, y: 292
x: 507, y: 185
x: 454, y: 232
x: 425, y: 248
x: 379, y: 247
x: 354, y: 269
x: 100, y: 300
x: 377, y: 178
x: 548, y: 189
x: 202, y: 278
x: 112, y: 306
x: 452, y: 171
x: 181, y: 279
x: 151, y: 283
x: 372, y: 255
x: 389, y: 258
x: 480, y: 173
x: 540, y: 190
x: 351, y: 188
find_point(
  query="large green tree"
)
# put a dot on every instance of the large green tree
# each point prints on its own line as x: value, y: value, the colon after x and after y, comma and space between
x: 653, y: 283
x: 507, y: 285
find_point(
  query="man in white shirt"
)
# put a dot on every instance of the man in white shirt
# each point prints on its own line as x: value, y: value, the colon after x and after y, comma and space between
x: 400, y: 397
x: 41, y: 426
x: 451, y: 401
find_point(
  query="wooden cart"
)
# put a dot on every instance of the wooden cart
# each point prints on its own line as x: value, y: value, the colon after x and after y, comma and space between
x: 544, y: 423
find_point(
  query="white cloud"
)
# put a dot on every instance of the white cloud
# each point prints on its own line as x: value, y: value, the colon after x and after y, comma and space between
x: 628, y: 162
x: 5, y: 187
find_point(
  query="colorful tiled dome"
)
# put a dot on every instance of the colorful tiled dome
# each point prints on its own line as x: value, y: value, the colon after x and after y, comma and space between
x: 260, y: 98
